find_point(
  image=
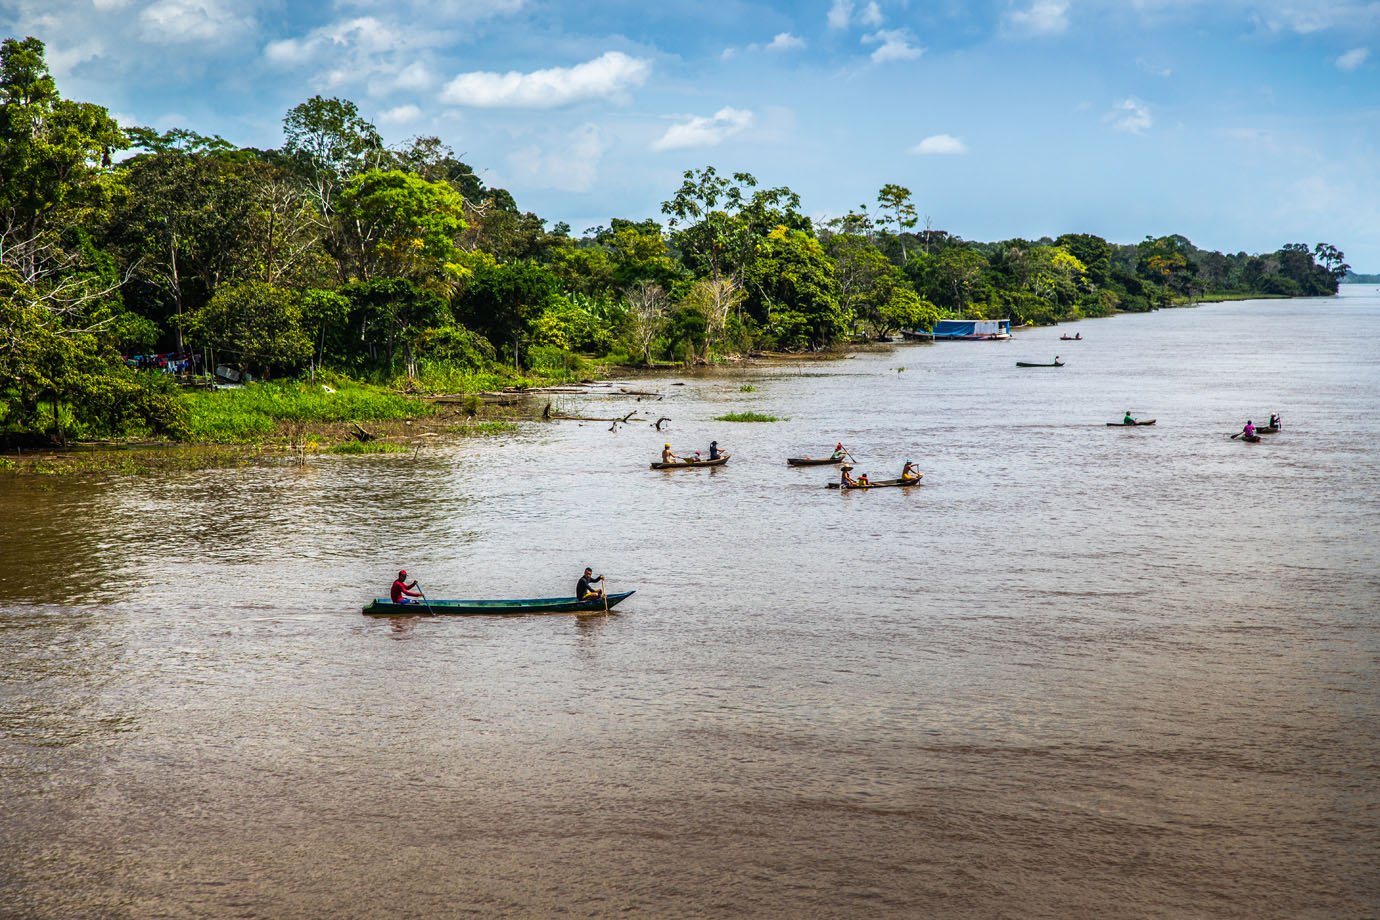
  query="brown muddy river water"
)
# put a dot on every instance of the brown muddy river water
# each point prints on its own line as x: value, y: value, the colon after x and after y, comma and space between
x: 1082, y: 672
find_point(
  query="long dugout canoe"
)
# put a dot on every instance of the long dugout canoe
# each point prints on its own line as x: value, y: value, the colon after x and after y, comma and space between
x: 382, y: 606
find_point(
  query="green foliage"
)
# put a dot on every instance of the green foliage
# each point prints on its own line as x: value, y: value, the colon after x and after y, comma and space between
x: 256, y: 324
x: 255, y: 411
x: 748, y: 417
x: 352, y: 448
x: 793, y: 292
x: 401, y: 226
x: 501, y: 301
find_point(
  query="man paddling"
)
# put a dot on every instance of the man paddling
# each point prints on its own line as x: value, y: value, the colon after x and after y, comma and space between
x: 667, y: 456
x: 839, y: 452
x: 584, y: 589
x: 1129, y: 419
x: 402, y: 592
x: 909, y: 472
x: 714, y: 450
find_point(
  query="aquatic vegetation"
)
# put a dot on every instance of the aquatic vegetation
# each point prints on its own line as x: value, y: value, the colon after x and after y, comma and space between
x: 748, y: 417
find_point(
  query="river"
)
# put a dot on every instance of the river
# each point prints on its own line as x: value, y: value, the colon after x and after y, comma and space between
x: 1082, y: 672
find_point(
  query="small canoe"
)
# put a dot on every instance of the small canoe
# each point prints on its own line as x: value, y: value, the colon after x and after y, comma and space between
x: 812, y: 461
x: 1148, y: 421
x: 1070, y: 338
x: 1250, y: 438
x: 1031, y: 364
x: 684, y: 464
x: 1266, y: 429
x: 384, y: 607
x: 879, y: 484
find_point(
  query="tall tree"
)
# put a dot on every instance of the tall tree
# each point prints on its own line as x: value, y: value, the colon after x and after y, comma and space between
x: 896, y: 209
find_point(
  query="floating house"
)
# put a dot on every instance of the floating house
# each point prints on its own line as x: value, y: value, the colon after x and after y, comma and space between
x: 972, y: 330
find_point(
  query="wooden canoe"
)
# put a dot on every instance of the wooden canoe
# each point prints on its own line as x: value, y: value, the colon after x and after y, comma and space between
x: 1266, y: 429
x: 879, y: 484
x: 1070, y: 338
x: 812, y: 461
x: 1250, y: 438
x: 384, y: 607
x: 685, y: 464
x: 1031, y: 364
x: 1148, y: 421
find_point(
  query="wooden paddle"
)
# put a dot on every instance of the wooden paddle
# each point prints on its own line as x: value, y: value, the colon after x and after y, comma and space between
x: 1237, y: 435
x: 606, y: 594
x: 429, y: 611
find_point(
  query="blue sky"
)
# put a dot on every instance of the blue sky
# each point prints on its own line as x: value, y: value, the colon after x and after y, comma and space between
x: 1242, y: 124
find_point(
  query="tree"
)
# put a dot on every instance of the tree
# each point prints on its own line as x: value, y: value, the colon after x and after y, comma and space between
x: 1333, y: 260
x: 896, y: 208
x: 721, y: 225
x: 646, y: 316
x: 260, y: 325
x: 398, y: 225
x: 792, y: 291
x: 500, y: 301
x: 54, y: 157
x: 184, y: 226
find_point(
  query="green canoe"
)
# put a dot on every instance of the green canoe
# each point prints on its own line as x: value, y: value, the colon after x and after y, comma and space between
x: 384, y: 607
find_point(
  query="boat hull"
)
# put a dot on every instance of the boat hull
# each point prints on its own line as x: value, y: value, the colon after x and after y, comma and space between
x: 879, y: 484
x: 384, y: 607
x: 812, y: 461
x: 1148, y: 421
x: 1029, y: 364
x: 690, y: 464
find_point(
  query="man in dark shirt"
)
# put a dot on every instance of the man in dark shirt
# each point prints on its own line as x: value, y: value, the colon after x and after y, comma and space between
x: 713, y: 450
x: 583, y: 589
x: 402, y: 592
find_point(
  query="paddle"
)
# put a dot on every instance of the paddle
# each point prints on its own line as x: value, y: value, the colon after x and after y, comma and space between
x: 606, y: 594
x: 1237, y: 435
x: 429, y: 611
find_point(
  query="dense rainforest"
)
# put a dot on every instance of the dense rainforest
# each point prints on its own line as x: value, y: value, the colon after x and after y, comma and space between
x: 338, y: 253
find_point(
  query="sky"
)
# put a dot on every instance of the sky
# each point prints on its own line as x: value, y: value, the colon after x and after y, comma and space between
x: 1241, y: 124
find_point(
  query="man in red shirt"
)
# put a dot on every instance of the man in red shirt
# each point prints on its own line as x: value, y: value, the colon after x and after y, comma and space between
x: 402, y: 592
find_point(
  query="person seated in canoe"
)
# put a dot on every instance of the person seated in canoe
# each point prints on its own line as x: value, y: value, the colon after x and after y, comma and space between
x: 846, y: 476
x: 1078, y: 336
x: 584, y: 589
x: 863, y: 482
x: 909, y: 472
x: 1129, y: 419
x: 1275, y: 421
x: 714, y: 450
x: 667, y: 456
x: 1249, y: 429
x: 839, y: 452
x: 402, y: 592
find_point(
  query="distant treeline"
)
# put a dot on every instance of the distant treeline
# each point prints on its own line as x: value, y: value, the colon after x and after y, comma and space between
x: 398, y: 264
x: 1353, y: 278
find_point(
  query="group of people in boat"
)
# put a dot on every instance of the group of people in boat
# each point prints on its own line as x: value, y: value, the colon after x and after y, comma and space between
x: 669, y: 456
x: 407, y: 592
x: 1249, y: 429
x: 909, y: 473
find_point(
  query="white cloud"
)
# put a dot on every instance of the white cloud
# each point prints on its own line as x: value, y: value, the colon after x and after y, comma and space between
x: 400, y: 115
x: 893, y: 45
x: 1158, y: 70
x: 698, y: 131
x: 940, y: 145
x: 872, y: 15
x: 447, y: 10
x: 1352, y: 59
x: 840, y: 14
x: 1044, y: 17
x: 608, y: 76
x: 785, y: 41
x: 571, y: 167
x: 1131, y: 115
x: 175, y: 21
